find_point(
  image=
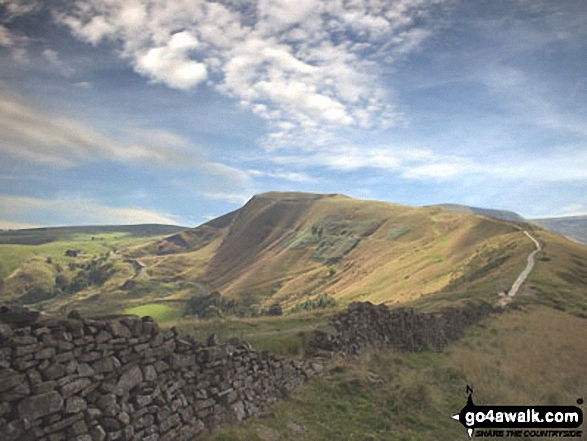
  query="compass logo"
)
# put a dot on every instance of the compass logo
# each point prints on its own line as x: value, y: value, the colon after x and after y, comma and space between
x: 517, y: 418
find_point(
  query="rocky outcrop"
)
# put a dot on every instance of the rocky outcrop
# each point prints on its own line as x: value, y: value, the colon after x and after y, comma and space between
x: 121, y: 378
x: 364, y: 325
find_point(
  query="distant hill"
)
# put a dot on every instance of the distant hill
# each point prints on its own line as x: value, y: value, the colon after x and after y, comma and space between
x: 498, y: 214
x: 574, y: 227
x: 37, y: 236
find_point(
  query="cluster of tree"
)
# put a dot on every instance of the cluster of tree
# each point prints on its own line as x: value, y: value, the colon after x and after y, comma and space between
x: 213, y: 305
x: 210, y: 306
x: 321, y: 301
x: 93, y: 273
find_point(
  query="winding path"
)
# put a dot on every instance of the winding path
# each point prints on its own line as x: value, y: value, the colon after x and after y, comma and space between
x: 507, y: 298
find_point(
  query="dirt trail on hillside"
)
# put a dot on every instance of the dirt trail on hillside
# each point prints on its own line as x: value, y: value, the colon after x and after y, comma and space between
x: 507, y: 298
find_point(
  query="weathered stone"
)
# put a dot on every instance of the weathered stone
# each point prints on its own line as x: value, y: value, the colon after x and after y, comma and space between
x: 85, y: 370
x: 149, y: 373
x: 118, y: 329
x: 10, y: 382
x: 24, y: 350
x: 64, y: 423
x: 21, y: 390
x: 19, y: 318
x: 40, y: 405
x: 130, y: 379
x: 5, y: 331
x: 104, y: 365
x: 75, y: 386
x: 110, y: 424
x: 239, y: 411
x: 79, y: 428
x: 107, y: 401
x: 75, y: 404
x: 63, y: 357
x: 98, y: 433
x: 143, y: 400
x: 44, y: 387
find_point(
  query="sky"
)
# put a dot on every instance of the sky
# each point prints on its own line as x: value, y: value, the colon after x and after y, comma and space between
x: 158, y: 111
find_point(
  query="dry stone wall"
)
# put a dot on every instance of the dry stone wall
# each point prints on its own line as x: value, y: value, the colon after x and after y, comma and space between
x: 123, y: 379
x: 364, y: 325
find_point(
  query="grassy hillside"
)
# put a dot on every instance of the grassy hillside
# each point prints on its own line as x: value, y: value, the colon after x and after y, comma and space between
x: 283, y: 247
x: 535, y: 356
x: 30, y: 273
x: 287, y: 248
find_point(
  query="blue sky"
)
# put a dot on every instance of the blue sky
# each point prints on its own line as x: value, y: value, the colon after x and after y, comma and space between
x: 130, y: 111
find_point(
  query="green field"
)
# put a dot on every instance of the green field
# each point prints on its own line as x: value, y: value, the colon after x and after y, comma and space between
x: 160, y: 312
x: 13, y: 255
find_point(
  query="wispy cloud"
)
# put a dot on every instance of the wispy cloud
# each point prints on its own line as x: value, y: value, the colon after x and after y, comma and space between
x: 6, y: 37
x: 65, y: 142
x: 285, y: 175
x: 407, y: 163
x: 18, y: 210
x: 53, y: 58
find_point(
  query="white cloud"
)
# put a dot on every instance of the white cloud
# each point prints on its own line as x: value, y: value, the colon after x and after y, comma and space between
x: 53, y: 57
x: 77, y: 212
x: 171, y: 65
x: 407, y: 163
x: 17, y: 8
x: 6, y: 38
x: 236, y: 197
x: 83, y: 85
x: 306, y: 63
x: 574, y: 210
x: 284, y: 175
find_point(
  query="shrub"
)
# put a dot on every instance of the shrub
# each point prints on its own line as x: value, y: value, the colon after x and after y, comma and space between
x: 275, y: 309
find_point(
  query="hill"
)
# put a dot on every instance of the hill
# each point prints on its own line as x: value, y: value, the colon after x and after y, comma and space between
x: 297, y: 250
x: 37, y: 236
x: 574, y: 227
x: 498, y: 214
